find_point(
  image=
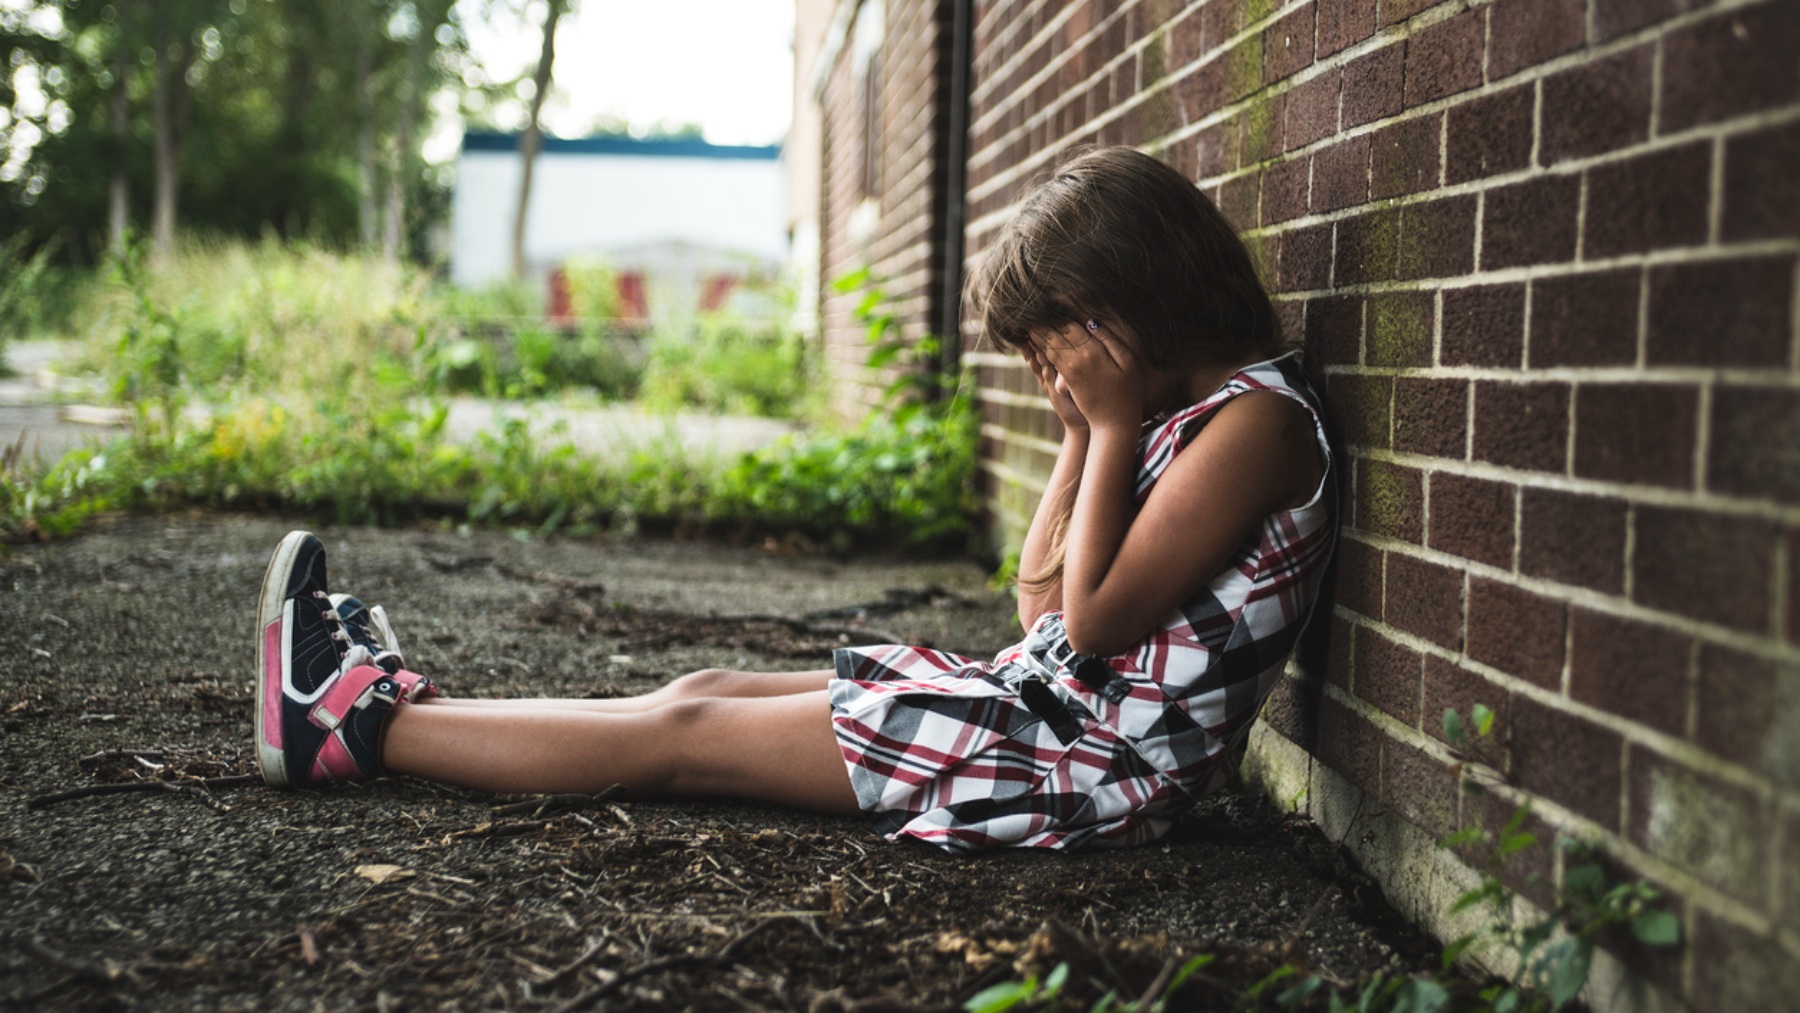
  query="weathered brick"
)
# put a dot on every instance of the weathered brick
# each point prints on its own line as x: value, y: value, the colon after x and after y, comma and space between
x: 1292, y: 710
x: 1788, y: 890
x: 1630, y: 668
x: 1527, y: 870
x: 1613, y: 18
x: 1368, y: 247
x: 1721, y: 312
x: 1338, y: 653
x: 1449, y: 686
x: 1516, y: 631
x: 1400, y: 326
x: 1431, y: 416
x: 1484, y: 325
x: 1390, y: 500
x: 1708, y: 566
x: 1362, y: 406
x: 1754, y: 446
x: 1650, y: 202
x: 1393, y: 11
x: 1387, y: 675
x: 1350, y: 745
x: 1471, y: 518
x: 1573, y: 538
x: 1372, y: 85
x: 1445, y: 58
x: 1599, y: 106
x: 1305, y: 254
x: 1437, y: 238
x: 1586, y: 319
x: 1522, y: 425
x: 1525, y: 33
x: 1761, y: 200
x: 1359, y: 577
x: 1334, y: 332
x: 1421, y: 788
x: 1343, y: 23
x: 1530, y: 223
x: 1290, y: 316
x: 1284, y: 191
x: 1341, y: 174
x: 1238, y: 199
x: 1705, y: 825
x: 1567, y: 759
x: 1737, y: 969
x: 1288, y: 45
x: 1425, y: 599
x: 1260, y: 126
x: 1488, y: 135
x: 1739, y: 61
x: 1312, y: 110
x: 1738, y: 712
x: 1646, y: 433
x: 1216, y: 148
x: 1403, y: 158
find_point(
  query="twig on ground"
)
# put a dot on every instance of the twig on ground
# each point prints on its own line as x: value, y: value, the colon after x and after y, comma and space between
x: 199, y: 787
x: 622, y: 978
x: 106, y: 972
x: 544, y: 803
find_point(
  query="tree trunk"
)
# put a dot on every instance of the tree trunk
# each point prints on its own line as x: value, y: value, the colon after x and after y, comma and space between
x: 119, y: 196
x: 528, y: 145
x: 169, y: 113
x: 400, y: 166
x: 366, y: 210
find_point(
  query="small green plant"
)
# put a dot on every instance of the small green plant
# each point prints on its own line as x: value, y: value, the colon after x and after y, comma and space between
x: 1050, y: 994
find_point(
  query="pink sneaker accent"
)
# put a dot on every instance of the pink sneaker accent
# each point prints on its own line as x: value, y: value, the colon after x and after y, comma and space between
x: 271, y: 687
x: 334, y: 763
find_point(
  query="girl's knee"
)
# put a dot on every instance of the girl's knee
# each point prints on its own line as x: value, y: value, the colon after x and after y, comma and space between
x: 707, y: 682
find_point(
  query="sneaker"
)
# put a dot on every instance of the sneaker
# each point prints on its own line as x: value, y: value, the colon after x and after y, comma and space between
x: 369, y: 627
x: 321, y: 699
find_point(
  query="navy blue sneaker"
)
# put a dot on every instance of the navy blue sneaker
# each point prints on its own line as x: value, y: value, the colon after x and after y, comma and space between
x: 368, y: 626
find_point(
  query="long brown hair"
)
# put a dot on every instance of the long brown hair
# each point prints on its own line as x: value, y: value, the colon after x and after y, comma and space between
x: 1115, y: 235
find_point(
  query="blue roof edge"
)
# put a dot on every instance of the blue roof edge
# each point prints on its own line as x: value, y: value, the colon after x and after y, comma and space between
x: 679, y: 147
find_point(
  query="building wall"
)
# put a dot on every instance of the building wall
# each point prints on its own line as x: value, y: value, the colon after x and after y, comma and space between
x: 1546, y: 252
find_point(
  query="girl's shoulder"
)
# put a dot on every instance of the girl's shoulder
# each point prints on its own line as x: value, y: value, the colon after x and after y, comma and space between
x: 1283, y: 374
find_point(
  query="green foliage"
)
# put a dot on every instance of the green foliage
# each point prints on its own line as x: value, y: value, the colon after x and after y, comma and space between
x: 33, y: 294
x: 728, y: 365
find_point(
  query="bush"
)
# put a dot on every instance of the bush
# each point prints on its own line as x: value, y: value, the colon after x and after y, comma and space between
x: 730, y: 366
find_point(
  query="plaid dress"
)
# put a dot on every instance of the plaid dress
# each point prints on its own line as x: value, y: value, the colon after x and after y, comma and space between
x: 1043, y: 747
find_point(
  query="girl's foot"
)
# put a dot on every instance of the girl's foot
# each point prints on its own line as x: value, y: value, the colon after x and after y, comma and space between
x: 368, y: 626
x: 321, y: 700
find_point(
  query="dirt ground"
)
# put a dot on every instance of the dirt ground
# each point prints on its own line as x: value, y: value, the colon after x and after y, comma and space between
x: 125, y: 659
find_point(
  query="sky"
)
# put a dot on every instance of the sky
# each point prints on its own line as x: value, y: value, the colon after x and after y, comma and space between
x: 727, y: 65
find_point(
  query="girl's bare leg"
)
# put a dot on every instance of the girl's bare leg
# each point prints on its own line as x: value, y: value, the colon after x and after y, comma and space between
x: 771, y: 748
x: 710, y: 683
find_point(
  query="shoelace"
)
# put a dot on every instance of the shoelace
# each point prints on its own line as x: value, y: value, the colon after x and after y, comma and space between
x: 384, y: 635
x: 355, y: 655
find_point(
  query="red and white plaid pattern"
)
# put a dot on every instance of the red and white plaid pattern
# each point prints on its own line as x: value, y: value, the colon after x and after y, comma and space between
x: 942, y: 748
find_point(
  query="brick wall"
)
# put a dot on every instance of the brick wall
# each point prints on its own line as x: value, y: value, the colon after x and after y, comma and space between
x: 1546, y: 252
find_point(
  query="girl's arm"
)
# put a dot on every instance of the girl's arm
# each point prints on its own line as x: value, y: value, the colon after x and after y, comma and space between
x: 1126, y: 571
x: 1065, y: 479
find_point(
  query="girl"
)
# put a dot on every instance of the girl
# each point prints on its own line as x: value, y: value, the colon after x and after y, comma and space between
x: 1167, y: 573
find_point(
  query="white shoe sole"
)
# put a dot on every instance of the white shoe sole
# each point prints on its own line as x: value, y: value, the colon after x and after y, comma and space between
x: 269, y: 609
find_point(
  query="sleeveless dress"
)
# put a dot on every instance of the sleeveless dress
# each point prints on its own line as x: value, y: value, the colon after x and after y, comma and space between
x: 1043, y: 747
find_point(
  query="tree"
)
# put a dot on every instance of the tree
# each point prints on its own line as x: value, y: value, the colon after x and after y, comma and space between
x: 528, y: 145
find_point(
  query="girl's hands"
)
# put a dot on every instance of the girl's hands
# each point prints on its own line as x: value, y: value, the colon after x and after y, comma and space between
x: 1096, y: 370
x: 1056, y: 389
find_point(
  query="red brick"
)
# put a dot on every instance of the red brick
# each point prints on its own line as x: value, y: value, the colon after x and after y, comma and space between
x: 1291, y: 710
x: 1650, y: 202
x: 1721, y: 313
x: 1613, y: 18
x: 1740, y: 61
x: 1522, y: 425
x: 1290, y: 317
x: 1703, y: 824
x: 1630, y: 668
x: 1445, y: 58
x: 1238, y: 197
x: 1431, y: 416
x: 1437, y: 238
x: 1420, y: 787
x: 1525, y: 33
x: 1425, y: 599
x: 1393, y: 11
x: 1288, y: 45
x: 1471, y: 518
x: 1449, y: 686
x: 1312, y: 110
x: 1585, y: 319
x: 1390, y: 500
x: 1368, y: 247
x: 1343, y: 23
x: 1707, y: 566
x: 1199, y: 94
x: 1334, y: 332
x: 1738, y: 710
x: 1305, y: 253
x: 1260, y: 129
x: 1341, y: 174
x: 1488, y: 135
x: 1337, y: 655
x: 1596, y: 107
x: 1567, y: 759
x: 1404, y: 157
x: 1516, y: 631
x: 1400, y: 325
x: 1642, y: 433
x: 1737, y: 969
x: 1362, y: 406
x: 1387, y: 674
x: 1359, y: 577
x: 1372, y: 85
x: 1754, y: 447
x: 1573, y: 538
x: 1216, y: 148
x: 1284, y: 192
x: 1484, y: 325
x: 1530, y: 223
x: 1527, y: 870
x: 1761, y: 200
x: 1350, y: 745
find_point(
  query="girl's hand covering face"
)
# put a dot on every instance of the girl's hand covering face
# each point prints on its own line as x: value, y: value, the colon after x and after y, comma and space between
x: 1101, y: 372
x: 1054, y: 388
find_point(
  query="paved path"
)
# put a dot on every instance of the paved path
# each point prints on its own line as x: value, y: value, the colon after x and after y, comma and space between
x: 42, y: 406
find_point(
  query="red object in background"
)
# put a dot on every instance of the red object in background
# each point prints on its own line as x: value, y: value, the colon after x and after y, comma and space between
x: 633, y: 305
x: 716, y: 290
x: 560, y: 309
